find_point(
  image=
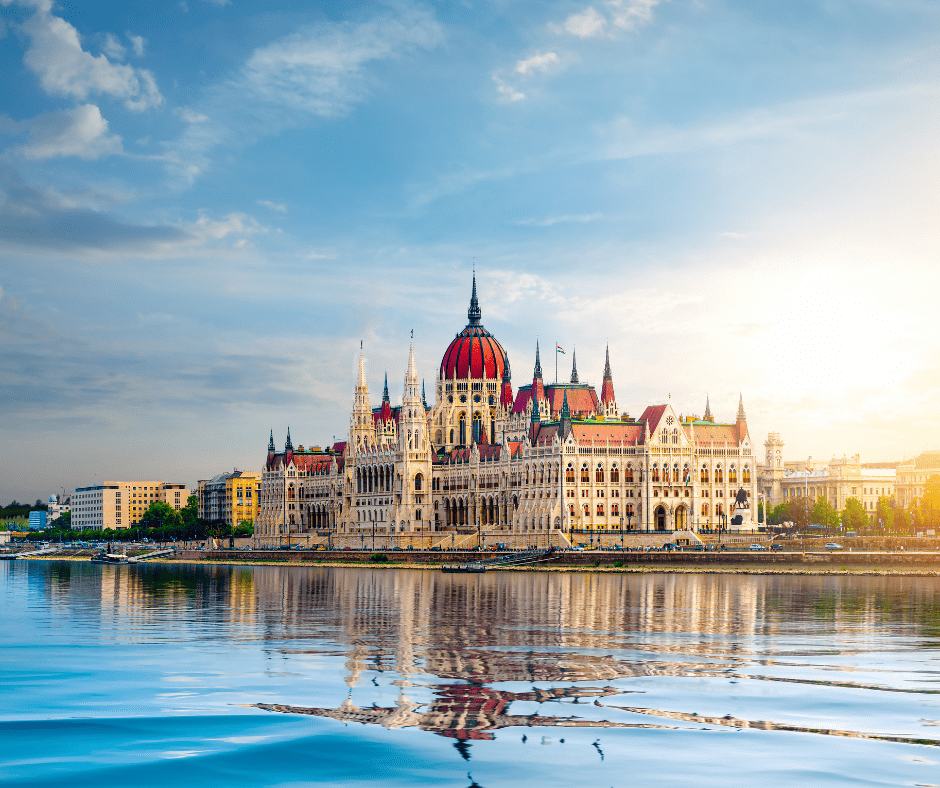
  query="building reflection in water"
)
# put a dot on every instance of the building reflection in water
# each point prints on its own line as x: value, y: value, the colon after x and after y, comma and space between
x: 576, y: 635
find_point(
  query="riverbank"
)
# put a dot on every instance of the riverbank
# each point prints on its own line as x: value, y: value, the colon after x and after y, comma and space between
x: 910, y: 564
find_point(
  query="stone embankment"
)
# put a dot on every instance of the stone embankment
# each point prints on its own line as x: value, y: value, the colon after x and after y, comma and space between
x: 719, y: 559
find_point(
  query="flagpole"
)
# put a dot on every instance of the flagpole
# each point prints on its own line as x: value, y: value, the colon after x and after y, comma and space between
x: 556, y: 362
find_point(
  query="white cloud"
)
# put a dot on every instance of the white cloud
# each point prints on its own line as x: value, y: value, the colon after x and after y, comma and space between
x: 219, y: 3
x: 191, y: 116
x: 80, y: 131
x: 586, y: 24
x: 113, y: 48
x: 631, y: 14
x: 56, y: 56
x: 536, y: 63
x: 274, y: 206
x: 205, y: 229
x: 137, y: 44
x: 506, y: 92
x: 623, y: 15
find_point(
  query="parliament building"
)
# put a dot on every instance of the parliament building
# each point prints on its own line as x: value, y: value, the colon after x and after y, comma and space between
x: 489, y: 461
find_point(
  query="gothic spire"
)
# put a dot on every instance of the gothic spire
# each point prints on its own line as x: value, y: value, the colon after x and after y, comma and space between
x: 535, y: 410
x: 473, y: 313
x: 288, y: 446
x: 361, y: 382
x: 741, y: 416
x: 607, y: 387
x: 607, y: 375
x: 574, y: 367
x: 708, y: 409
x: 537, y: 374
x: 424, y: 399
x: 385, y: 393
x: 271, y: 448
x: 565, y: 410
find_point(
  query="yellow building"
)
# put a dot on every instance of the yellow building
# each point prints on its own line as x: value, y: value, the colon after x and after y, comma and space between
x: 230, y: 497
x: 119, y: 505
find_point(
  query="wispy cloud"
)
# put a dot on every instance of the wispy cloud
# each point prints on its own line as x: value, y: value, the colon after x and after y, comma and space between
x: 553, y: 220
x: 507, y: 93
x: 318, y: 72
x: 274, y: 206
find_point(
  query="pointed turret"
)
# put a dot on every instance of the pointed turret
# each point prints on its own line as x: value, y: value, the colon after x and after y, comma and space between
x: 473, y: 313
x: 271, y: 448
x: 608, y: 400
x: 741, y: 421
x: 565, y: 418
x: 385, y: 411
x: 505, y: 397
x: 574, y: 366
x: 538, y: 389
x: 424, y: 399
x: 708, y: 410
x: 288, y: 446
x: 385, y: 392
x: 361, y: 424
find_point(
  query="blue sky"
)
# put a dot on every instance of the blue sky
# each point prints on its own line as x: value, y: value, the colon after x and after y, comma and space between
x: 205, y: 206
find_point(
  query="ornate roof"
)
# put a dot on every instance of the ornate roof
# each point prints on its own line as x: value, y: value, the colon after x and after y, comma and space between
x: 474, y: 352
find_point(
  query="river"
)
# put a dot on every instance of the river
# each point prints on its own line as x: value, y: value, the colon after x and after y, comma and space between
x: 186, y: 675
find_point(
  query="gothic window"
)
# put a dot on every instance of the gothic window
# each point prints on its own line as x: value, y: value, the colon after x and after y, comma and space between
x: 732, y: 475
x: 719, y: 475
x: 571, y: 509
x: 600, y: 510
x: 587, y: 511
x: 686, y: 474
x: 599, y: 474
x: 655, y: 471
x: 451, y: 436
x: 615, y: 475
x: 419, y: 480
x: 629, y: 474
x: 418, y: 515
x: 585, y: 474
x: 675, y: 436
x: 746, y: 475
x: 664, y: 438
x: 463, y: 429
x: 615, y: 509
x: 704, y: 475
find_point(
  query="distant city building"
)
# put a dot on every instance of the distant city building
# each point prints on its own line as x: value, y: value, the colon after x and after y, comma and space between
x: 118, y: 505
x: 57, y: 508
x: 551, y: 458
x: 230, y: 497
x: 834, y: 481
x: 37, y: 520
x: 913, y: 475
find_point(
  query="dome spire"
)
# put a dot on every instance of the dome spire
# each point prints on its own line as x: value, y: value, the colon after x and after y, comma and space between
x: 473, y: 313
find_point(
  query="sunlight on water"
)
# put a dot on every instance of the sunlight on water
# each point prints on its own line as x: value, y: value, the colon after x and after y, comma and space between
x: 191, y: 675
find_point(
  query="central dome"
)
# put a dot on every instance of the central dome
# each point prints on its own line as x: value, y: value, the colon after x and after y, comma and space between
x: 474, y: 352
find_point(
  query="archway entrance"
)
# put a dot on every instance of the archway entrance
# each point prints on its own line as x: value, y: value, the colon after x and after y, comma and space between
x: 681, y: 519
x: 660, y: 518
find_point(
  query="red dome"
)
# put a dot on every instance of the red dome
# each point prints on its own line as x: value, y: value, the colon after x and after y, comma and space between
x: 474, y: 353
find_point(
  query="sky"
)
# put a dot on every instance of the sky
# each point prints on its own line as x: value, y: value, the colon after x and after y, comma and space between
x: 205, y: 207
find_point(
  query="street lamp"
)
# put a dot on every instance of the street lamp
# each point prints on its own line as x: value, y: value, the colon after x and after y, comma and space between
x: 621, y: 534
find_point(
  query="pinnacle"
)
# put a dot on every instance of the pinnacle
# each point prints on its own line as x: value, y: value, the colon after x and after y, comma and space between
x: 473, y: 313
x: 574, y: 367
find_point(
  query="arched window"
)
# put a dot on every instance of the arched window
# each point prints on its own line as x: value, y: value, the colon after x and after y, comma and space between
x: 703, y: 478
x: 599, y: 474
x: 600, y: 510
x: 686, y: 474
x: 733, y: 475
x: 419, y: 481
x: 629, y: 474
x: 675, y: 436
x: 418, y: 515
x: 463, y: 429
x: 615, y: 509
x: 655, y: 471
x: 615, y: 475
x: 439, y: 437
x: 664, y: 437
x: 585, y: 474
x: 451, y: 436
x: 704, y: 510
x: 719, y: 475
x: 746, y: 475
x: 569, y: 475
x: 571, y: 509
x: 587, y: 511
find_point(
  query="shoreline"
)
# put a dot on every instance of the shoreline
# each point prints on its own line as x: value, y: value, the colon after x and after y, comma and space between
x: 848, y: 571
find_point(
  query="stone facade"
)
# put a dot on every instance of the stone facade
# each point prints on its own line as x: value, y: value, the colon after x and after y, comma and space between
x: 551, y: 459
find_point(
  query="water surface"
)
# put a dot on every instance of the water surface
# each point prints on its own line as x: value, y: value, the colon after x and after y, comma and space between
x: 208, y: 676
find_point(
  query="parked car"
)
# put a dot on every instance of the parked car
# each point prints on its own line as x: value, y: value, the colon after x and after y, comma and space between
x: 757, y: 547
x: 776, y: 547
x: 833, y: 546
